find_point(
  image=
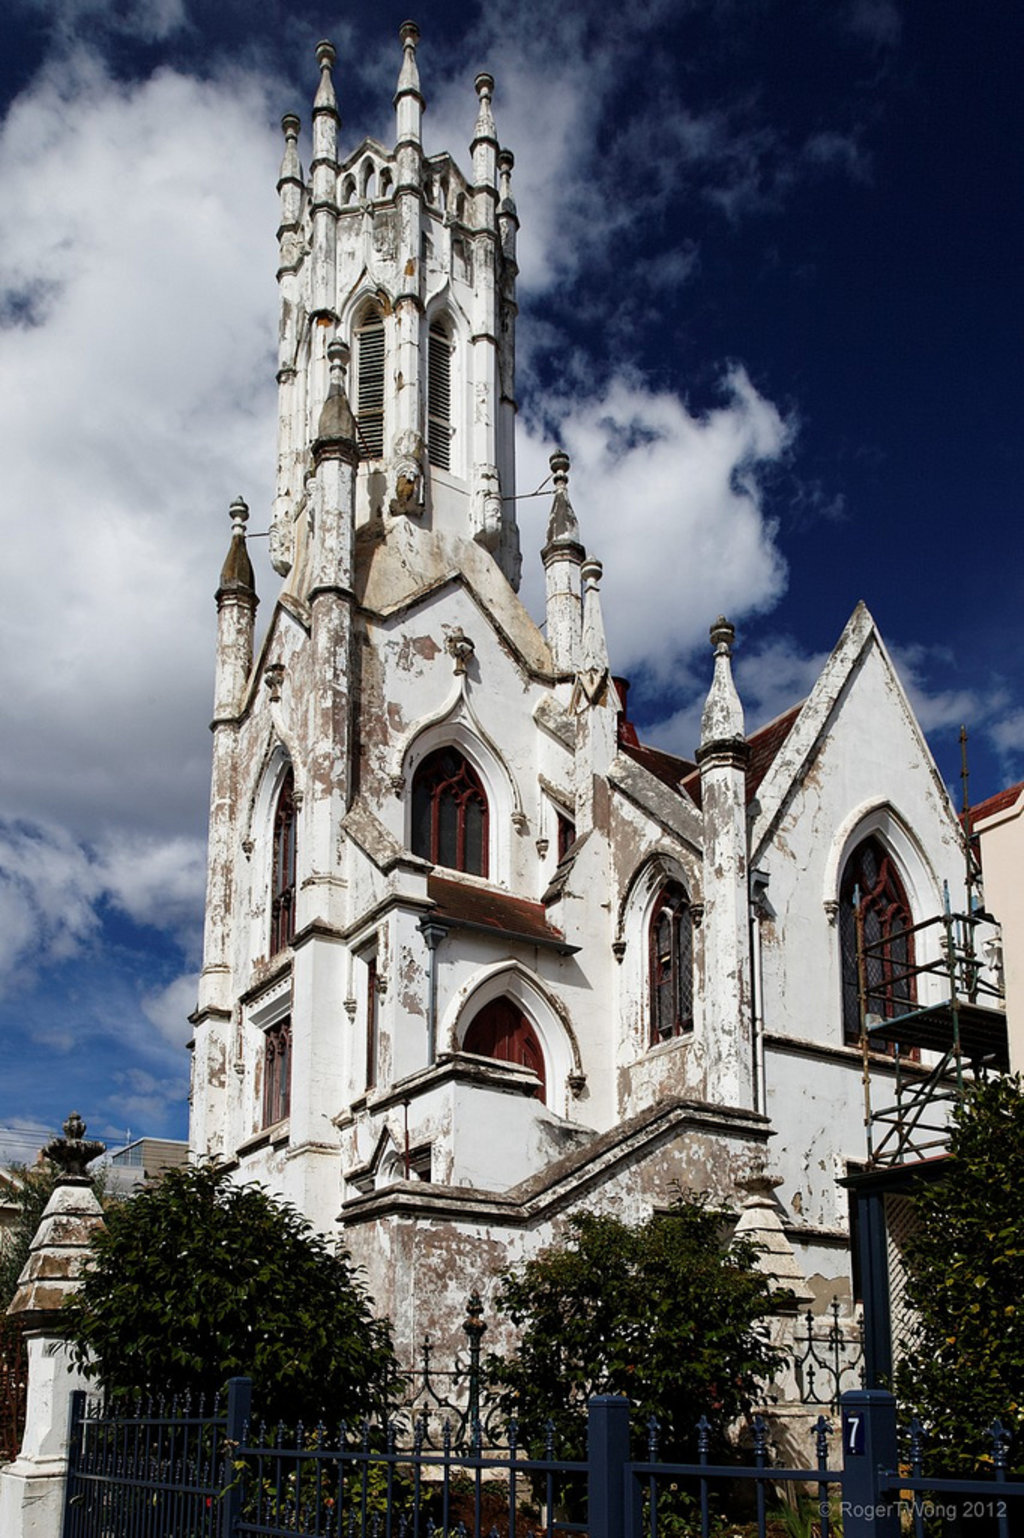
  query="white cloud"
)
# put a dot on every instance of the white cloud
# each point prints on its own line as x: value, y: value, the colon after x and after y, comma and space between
x: 169, y: 1008
x: 52, y: 888
x: 136, y: 383
x: 671, y: 504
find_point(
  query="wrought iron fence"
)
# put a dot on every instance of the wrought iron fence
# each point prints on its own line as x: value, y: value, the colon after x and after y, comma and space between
x: 151, y: 1474
x: 154, y: 1471
x: 829, y: 1357
x: 460, y: 1397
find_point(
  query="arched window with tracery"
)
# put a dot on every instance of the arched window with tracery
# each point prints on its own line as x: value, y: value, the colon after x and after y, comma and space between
x: 449, y: 813
x: 282, y: 887
x: 671, y: 964
x: 503, y: 1032
x: 871, y: 878
x: 369, y: 350
x: 277, y: 1072
x: 439, y: 395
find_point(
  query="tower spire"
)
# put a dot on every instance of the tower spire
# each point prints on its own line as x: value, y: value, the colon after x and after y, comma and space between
x: 409, y: 103
x: 484, y: 146
x: 563, y: 557
x: 324, y: 169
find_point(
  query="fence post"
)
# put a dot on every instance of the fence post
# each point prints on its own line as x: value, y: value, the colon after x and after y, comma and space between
x: 869, y: 1450
x: 238, y: 1410
x: 607, y: 1456
x: 76, y: 1415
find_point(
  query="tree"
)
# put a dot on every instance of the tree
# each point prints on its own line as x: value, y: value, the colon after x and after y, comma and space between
x: 965, y: 1281
x: 33, y: 1188
x: 197, y: 1279
x: 660, y: 1312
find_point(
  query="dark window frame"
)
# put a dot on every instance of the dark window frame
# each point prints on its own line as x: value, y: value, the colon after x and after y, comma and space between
x: 371, y: 360
x: 277, y: 1072
x: 502, y: 1030
x: 282, y: 881
x: 872, y: 873
x: 670, y: 961
x: 439, y: 394
x: 447, y: 796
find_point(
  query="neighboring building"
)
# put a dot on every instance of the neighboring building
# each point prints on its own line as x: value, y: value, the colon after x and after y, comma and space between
x: 475, y: 957
x: 142, y: 1160
x: 998, y: 826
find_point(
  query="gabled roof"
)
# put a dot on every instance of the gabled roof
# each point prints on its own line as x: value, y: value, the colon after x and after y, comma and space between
x: 1000, y: 802
x: 664, y: 766
x: 764, y: 744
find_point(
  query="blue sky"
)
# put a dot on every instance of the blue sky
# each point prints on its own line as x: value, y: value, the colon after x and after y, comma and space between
x: 770, y: 303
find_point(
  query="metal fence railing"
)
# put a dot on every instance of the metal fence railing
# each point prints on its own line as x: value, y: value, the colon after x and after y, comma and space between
x: 183, y: 1473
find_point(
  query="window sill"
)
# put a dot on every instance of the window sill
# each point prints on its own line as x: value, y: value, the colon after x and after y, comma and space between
x: 275, y: 1135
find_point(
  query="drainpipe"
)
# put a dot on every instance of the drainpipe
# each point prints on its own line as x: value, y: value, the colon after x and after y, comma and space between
x: 433, y: 933
x: 758, y: 906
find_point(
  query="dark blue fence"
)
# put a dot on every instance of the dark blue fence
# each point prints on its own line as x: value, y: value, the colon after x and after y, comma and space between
x: 153, y: 1474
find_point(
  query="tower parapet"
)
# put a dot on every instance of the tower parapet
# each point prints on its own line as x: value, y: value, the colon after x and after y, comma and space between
x: 411, y: 263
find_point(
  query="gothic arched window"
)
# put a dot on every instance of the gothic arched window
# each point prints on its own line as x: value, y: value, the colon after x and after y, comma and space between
x: 871, y: 876
x: 282, y: 886
x: 449, y: 813
x: 439, y: 395
x: 671, y: 954
x: 277, y: 1072
x: 503, y: 1032
x: 370, y: 383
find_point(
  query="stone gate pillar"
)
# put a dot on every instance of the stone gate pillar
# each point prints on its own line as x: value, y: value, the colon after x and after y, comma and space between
x: 32, y: 1487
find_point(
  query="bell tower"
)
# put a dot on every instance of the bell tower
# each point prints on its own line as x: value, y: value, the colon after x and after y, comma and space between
x: 411, y: 263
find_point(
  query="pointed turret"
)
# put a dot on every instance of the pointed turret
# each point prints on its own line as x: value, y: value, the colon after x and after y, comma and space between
x: 563, y: 557
x: 722, y: 717
x: 290, y: 185
x: 236, y: 613
x: 484, y: 146
x: 324, y: 170
x: 337, y: 426
x: 508, y: 218
x: 409, y: 103
x: 722, y: 757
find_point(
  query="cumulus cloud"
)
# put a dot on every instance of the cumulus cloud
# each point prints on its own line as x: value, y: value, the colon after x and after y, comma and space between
x: 137, y: 386
x: 671, y: 504
x: 53, y: 889
x: 169, y: 1008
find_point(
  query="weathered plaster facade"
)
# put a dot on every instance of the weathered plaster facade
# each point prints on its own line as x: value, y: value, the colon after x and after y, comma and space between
x: 662, y: 932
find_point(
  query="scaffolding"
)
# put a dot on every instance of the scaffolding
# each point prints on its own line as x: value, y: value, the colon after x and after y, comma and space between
x: 932, y: 1051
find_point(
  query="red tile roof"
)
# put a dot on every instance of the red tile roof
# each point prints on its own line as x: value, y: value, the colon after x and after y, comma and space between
x: 664, y: 766
x: 1000, y: 802
x: 764, y: 744
x: 462, y: 905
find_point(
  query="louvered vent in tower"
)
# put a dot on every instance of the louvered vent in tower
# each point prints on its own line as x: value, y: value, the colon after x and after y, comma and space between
x: 439, y: 403
x: 370, y: 374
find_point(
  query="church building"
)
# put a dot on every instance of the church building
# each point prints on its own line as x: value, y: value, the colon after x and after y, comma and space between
x: 475, y: 956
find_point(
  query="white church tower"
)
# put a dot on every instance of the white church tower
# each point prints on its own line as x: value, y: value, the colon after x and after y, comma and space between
x: 474, y: 955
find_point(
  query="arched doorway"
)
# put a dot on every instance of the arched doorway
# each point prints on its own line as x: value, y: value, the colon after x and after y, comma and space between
x: 502, y: 1031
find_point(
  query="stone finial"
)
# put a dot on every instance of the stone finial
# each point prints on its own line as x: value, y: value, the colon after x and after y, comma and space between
x: 409, y: 75
x: 563, y: 529
x: 237, y: 575
x: 72, y: 1152
x: 595, y: 646
x: 337, y: 424
x: 61, y: 1244
x: 485, y: 129
x: 722, y: 717
x: 325, y: 99
x: 289, y: 183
